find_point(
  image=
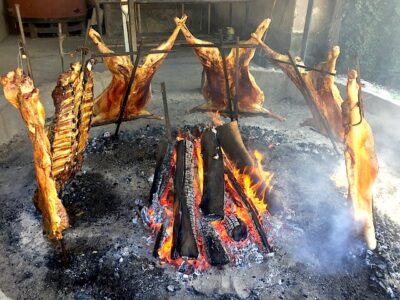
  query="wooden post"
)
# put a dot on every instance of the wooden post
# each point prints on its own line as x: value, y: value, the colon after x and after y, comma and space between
x: 132, y: 26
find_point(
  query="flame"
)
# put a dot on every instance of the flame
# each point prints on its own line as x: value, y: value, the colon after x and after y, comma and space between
x: 200, y: 166
x: 252, y: 189
x: 216, y: 118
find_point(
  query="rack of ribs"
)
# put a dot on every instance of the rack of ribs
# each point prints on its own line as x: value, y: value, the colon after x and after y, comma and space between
x: 63, y: 132
x: 107, y: 105
x: 251, y: 97
x: 361, y: 161
x: 321, y: 86
x: 19, y: 90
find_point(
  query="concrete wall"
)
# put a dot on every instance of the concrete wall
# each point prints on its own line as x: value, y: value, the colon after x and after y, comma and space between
x: 3, y: 25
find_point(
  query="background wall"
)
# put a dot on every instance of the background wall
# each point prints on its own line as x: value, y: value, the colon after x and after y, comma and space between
x: 3, y: 25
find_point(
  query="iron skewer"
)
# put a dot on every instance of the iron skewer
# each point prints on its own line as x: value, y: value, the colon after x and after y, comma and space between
x: 236, y: 103
x: 227, y: 88
x: 128, y: 89
x: 166, y: 112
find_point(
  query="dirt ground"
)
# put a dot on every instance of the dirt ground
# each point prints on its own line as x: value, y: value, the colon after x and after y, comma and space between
x: 109, y: 248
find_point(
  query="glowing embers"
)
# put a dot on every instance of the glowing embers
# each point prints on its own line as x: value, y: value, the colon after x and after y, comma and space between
x: 203, y: 209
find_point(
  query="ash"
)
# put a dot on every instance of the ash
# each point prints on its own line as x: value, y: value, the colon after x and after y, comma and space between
x: 108, y: 247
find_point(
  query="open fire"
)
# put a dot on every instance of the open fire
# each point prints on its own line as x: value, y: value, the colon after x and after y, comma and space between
x: 205, y: 207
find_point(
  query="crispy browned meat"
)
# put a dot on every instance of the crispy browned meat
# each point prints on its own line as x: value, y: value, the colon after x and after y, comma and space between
x: 85, y: 114
x: 107, y: 105
x: 251, y: 98
x: 323, y: 90
x: 361, y: 161
x: 69, y: 131
x: 63, y: 132
x: 21, y: 93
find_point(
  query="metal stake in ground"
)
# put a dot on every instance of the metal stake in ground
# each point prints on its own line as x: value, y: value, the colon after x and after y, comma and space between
x: 128, y: 89
x: 166, y: 112
x: 312, y: 105
x: 228, y: 91
x: 24, y: 51
x: 236, y: 103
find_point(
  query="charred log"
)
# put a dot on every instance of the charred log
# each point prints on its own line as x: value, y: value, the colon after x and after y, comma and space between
x: 252, y: 210
x: 216, y: 252
x: 212, y: 203
x: 162, y: 172
x: 231, y: 142
x: 159, y: 239
x: 236, y: 228
x: 184, y: 242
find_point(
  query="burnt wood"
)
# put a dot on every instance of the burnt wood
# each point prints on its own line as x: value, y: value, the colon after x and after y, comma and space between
x: 215, y: 250
x: 162, y: 171
x: 159, y: 240
x: 184, y: 242
x: 230, y: 139
x: 251, y: 209
x: 212, y: 203
x: 236, y: 228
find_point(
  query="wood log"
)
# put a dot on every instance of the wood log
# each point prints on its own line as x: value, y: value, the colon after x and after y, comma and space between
x: 251, y: 209
x: 235, y: 227
x: 162, y: 172
x: 361, y: 161
x: 184, y: 242
x: 215, y: 250
x: 231, y: 142
x: 212, y: 203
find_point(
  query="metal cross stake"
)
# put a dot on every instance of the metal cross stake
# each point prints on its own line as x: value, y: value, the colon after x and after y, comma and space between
x: 128, y: 89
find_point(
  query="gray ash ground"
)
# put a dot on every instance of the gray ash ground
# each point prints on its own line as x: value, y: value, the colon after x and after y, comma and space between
x: 108, y: 249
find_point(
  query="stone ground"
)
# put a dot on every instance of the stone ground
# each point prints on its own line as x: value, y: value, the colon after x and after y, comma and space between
x: 109, y: 249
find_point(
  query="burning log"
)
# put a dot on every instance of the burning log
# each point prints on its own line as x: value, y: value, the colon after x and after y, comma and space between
x: 212, y: 203
x: 184, y: 234
x: 108, y: 103
x: 21, y: 93
x: 231, y: 142
x: 251, y: 98
x: 162, y: 172
x: 216, y: 252
x: 236, y: 228
x: 316, y: 86
x: 361, y: 161
x: 252, y: 210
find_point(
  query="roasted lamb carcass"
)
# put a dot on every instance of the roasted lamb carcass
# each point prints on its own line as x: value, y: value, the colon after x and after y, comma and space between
x: 108, y: 104
x: 69, y: 131
x: 321, y: 86
x: 361, y: 161
x: 21, y: 93
x: 251, y: 98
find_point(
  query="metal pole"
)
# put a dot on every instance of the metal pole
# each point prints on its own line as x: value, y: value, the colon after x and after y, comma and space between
x: 227, y: 88
x: 132, y: 38
x: 306, y: 31
x: 237, y: 61
x: 25, y: 54
x: 60, y: 46
x: 168, y: 130
x: 128, y: 90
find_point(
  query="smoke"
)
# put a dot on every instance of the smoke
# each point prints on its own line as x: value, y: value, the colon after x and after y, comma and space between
x: 320, y: 229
